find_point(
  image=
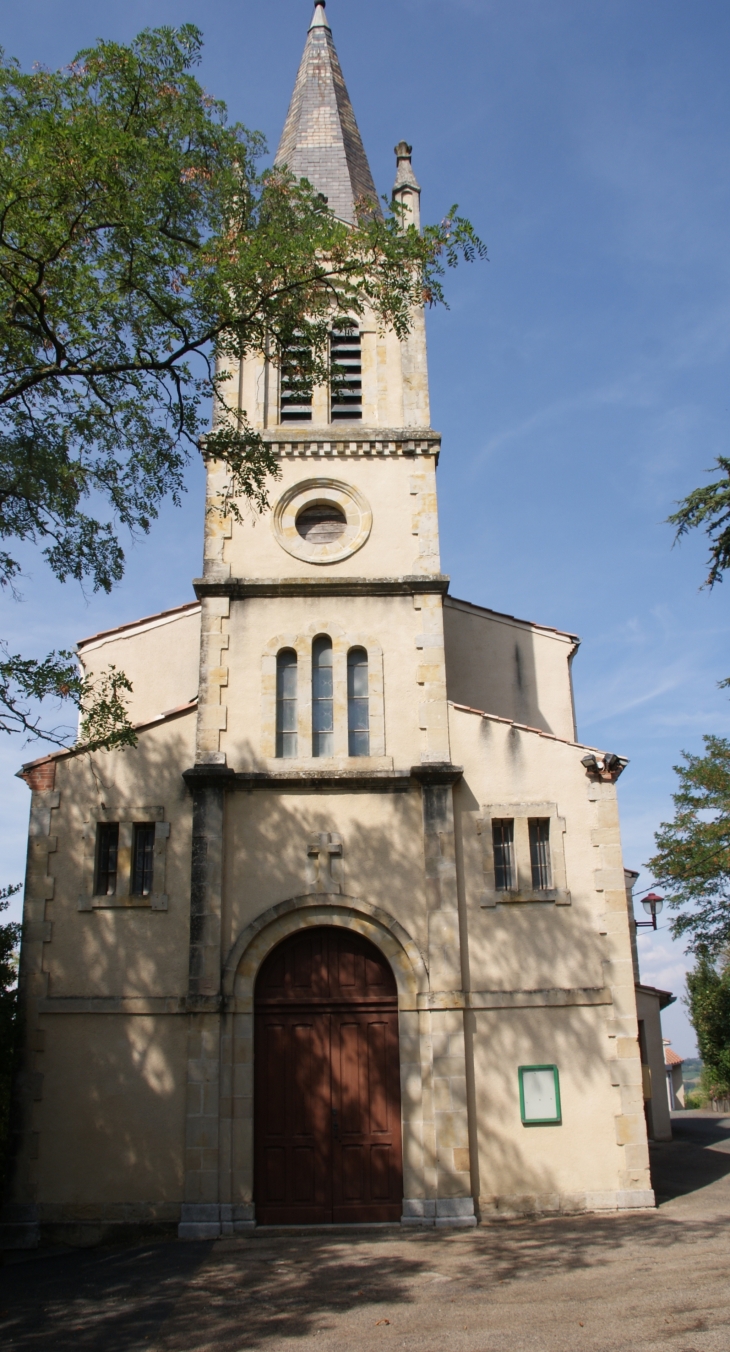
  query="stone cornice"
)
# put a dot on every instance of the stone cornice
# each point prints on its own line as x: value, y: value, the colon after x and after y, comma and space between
x: 347, y: 440
x: 550, y: 997
x: 437, y: 772
x: 326, y: 781
x: 241, y: 588
x: 299, y: 781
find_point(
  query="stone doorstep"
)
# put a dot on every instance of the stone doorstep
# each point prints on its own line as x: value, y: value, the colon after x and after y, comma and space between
x: 213, y: 1220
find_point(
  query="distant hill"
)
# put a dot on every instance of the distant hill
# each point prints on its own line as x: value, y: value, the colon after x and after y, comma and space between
x: 691, y: 1073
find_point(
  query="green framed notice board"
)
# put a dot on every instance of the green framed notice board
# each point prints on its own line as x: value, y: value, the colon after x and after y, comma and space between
x: 539, y: 1096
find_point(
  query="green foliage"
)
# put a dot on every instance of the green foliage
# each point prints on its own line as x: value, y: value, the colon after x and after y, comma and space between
x: 709, y: 507
x: 141, y: 255
x: 9, y: 940
x: 709, y: 1006
x: 693, y: 851
x: 104, y: 721
x: 695, y: 1099
x: 25, y: 682
x: 692, y: 1072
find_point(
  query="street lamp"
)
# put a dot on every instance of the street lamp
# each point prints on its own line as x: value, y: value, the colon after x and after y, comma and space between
x: 652, y: 905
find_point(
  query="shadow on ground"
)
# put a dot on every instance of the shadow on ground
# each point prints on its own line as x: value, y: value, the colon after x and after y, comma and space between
x: 698, y: 1156
x: 249, y: 1293
x: 345, y: 1289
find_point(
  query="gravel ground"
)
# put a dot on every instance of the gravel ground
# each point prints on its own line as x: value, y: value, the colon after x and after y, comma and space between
x: 602, y: 1283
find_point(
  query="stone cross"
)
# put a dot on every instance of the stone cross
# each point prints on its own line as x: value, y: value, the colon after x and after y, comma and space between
x: 324, y: 863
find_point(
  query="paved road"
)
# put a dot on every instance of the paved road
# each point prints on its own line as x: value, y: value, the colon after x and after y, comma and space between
x: 658, y: 1280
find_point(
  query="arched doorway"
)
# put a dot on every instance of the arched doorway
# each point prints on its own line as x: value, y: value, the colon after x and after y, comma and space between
x: 327, y: 1127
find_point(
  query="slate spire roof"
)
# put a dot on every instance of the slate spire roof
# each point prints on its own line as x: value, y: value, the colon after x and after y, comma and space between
x: 320, y: 140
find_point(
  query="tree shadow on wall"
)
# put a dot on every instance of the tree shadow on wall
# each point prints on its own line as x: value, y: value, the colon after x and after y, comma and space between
x: 115, y: 1085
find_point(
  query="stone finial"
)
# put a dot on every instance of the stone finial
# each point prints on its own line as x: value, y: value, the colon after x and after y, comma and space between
x: 319, y: 18
x: 406, y: 188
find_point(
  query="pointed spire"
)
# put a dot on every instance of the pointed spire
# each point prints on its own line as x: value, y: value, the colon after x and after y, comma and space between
x: 321, y: 141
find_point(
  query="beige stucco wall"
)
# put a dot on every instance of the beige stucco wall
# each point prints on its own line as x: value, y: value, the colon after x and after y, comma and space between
x: 531, y: 1167
x: 400, y: 491
x: 535, y: 946
x: 649, y: 1011
x: 112, y: 1117
x: 258, y: 627
x: 539, y: 944
x: 509, y: 667
x: 128, y: 1073
x: 160, y: 655
x: 121, y: 951
x: 266, y: 861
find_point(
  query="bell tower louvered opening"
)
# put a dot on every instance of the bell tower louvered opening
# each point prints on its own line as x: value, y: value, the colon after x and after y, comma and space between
x: 295, y: 403
x: 346, y: 359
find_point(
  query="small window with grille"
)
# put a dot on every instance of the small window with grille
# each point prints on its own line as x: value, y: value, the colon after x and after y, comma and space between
x: 539, y: 829
x: 346, y: 360
x: 358, y: 711
x: 503, y: 842
x: 296, y: 391
x: 143, y: 858
x: 107, y: 849
x: 286, y: 703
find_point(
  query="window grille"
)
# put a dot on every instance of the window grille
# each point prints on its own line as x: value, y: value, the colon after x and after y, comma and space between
x: 107, y: 848
x: 295, y: 399
x: 323, y: 737
x: 286, y: 703
x: 346, y: 361
x: 358, y: 713
x: 539, y: 828
x: 143, y: 858
x: 322, y: 523
x: 503, y: 840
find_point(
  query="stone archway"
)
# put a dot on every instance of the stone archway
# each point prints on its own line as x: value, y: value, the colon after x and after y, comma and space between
x: 327, y: 1101
x: 245, y: 959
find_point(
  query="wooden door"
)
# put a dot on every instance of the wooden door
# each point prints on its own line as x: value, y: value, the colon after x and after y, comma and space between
x: 327, y: 1132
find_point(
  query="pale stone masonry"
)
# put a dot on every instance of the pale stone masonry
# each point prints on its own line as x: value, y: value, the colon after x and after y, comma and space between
x: 468, y: 840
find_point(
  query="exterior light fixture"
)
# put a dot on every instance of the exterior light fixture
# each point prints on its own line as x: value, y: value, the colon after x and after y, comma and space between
x: 652, y: 905
x: 606, y: 765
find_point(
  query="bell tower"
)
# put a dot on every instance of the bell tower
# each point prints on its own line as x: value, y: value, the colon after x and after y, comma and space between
x: 354, y: 512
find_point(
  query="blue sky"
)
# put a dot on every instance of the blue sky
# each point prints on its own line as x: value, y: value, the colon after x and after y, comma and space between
x: 579, y: 378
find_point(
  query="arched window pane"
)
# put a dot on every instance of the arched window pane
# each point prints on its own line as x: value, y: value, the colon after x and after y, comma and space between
x: 322, y: 696
x: 286, y: 703
x: 323, y: 737
x: 358, y: 714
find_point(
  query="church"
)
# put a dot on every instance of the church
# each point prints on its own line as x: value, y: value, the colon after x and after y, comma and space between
x: 346, y: 937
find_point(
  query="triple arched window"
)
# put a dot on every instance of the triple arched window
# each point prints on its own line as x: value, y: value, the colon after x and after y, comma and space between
x: 322, y: 703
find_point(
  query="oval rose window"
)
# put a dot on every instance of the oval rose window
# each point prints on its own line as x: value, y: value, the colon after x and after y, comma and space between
x: 321, y: 523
